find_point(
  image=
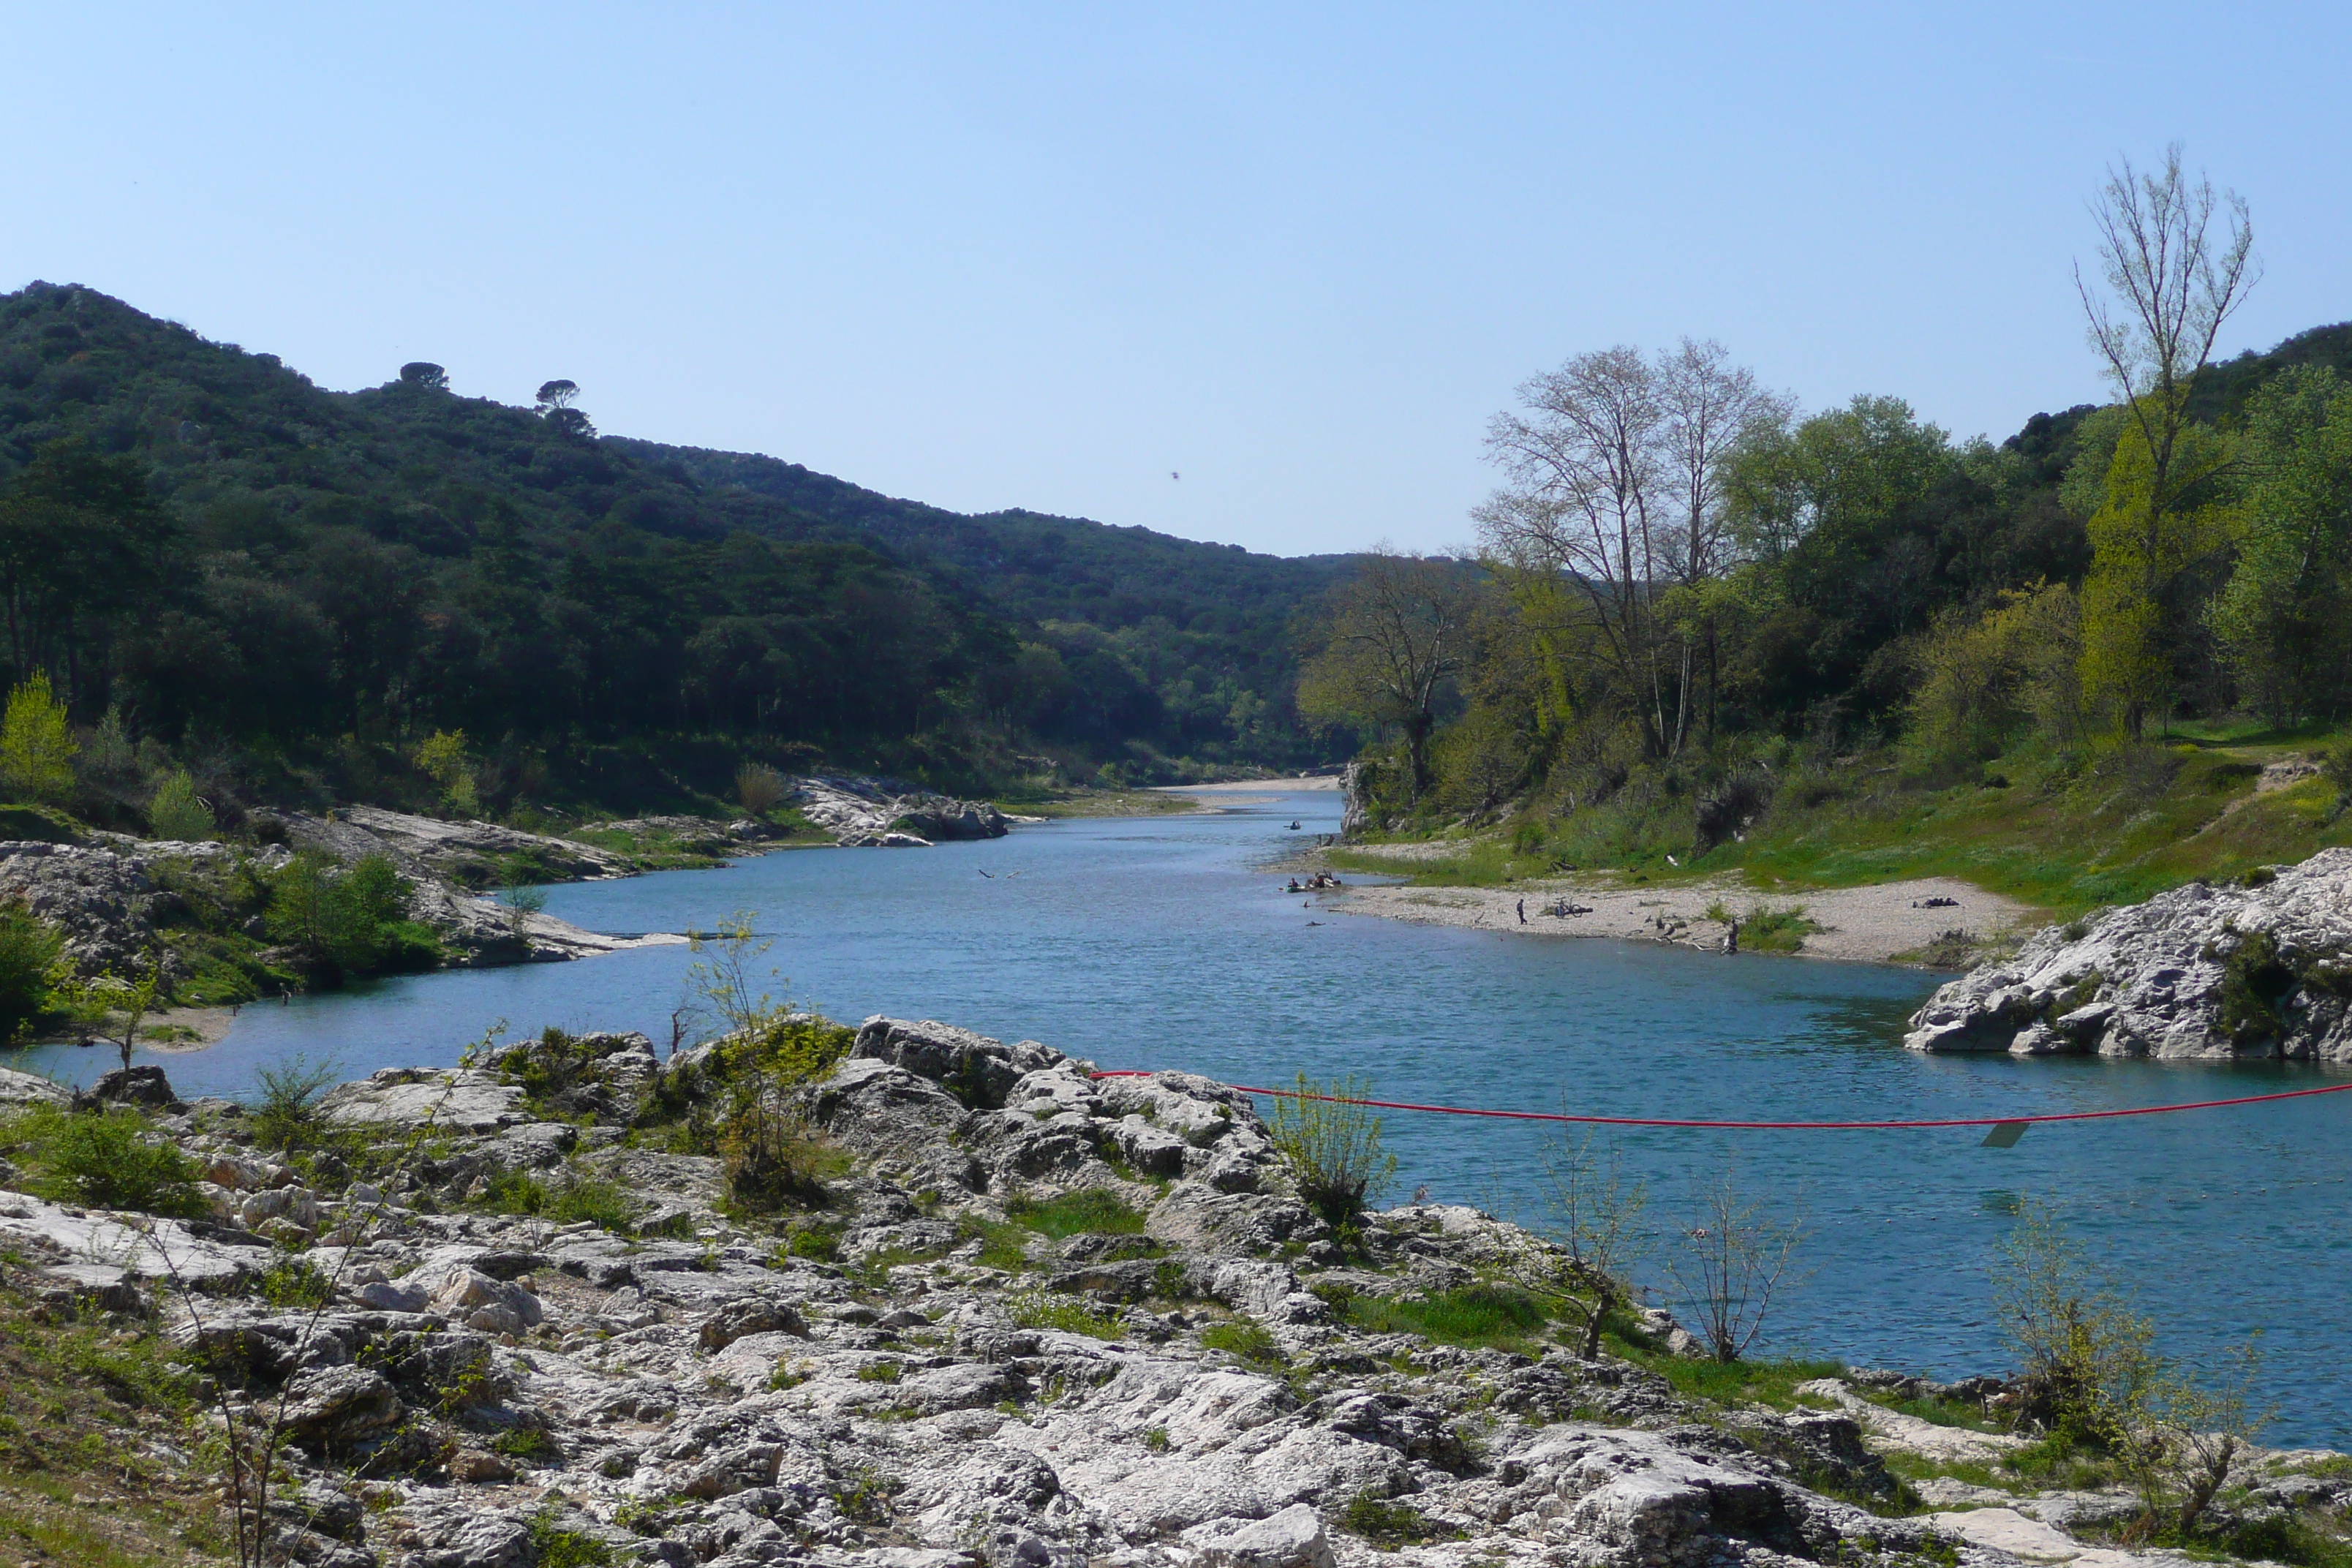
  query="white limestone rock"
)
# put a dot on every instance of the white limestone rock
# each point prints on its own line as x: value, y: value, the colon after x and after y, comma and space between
x: 2204, y: 972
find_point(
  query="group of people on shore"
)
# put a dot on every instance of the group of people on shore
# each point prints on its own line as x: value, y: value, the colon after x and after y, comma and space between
x: 1317, y: 883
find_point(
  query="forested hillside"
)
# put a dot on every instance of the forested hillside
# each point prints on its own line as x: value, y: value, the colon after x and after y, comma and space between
x: 289, y: 588
x: 1150, y: 634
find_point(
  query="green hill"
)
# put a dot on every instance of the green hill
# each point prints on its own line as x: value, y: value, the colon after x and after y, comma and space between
x: 288, y: 587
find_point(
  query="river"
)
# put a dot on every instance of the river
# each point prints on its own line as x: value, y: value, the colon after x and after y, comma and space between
x: 1157, y: 943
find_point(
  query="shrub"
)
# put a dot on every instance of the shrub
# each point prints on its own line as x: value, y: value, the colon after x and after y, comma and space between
x: 29, y: 957
x: 177, y: 812
x: 817, y: 1242
x: 2254, y: 980
x: 295, y: 1282
x: 103, y: 1160
x: 1767, y: 930
x: 1094, y: 1211
x: 287, y: 1118
x: 1334, y: 1147
x: 761, y: 788
x: 770, y: 1157
x: 441, y: 757
x: 592, y: 1199
x: 553, y: 1545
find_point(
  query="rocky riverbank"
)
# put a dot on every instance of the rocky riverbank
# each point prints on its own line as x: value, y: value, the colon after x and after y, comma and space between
x: 117, y: 901
x: 1020, y: 1318
x: 2259, y: 969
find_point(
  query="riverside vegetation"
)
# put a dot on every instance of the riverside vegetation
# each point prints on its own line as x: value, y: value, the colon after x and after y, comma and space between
x: 805, y: 1293
x: 1704, y: 634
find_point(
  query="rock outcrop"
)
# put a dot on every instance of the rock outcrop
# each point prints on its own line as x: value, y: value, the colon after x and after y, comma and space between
x: 2259, y: 969
x: 884, y: 813
x: 470, y: 854
x: 914, y: 1372
x: 101, y: 898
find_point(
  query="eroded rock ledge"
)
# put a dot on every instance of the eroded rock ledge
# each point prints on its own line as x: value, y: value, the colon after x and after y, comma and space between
x: 907, y: 1376
x: 2260, y: 969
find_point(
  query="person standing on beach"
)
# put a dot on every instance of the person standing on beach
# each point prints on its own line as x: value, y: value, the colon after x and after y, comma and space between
x: 1523, y: 912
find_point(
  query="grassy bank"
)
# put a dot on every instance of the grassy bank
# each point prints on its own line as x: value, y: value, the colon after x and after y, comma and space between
x: 2062, y: 832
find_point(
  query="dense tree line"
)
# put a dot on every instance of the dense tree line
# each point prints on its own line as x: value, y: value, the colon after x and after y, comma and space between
x: 237, y: 565
x: 1683, y: 582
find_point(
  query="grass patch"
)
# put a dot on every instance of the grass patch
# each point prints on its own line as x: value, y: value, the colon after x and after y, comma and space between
x: 1096, y: 1211
x: 556, y: 1545
x: 1246, y: 1340
x: 1477, y: 1317
x: 1939, y: 1412
x: 881, y: 1372
x: 1042, y: 1309
x: 1389, y: 1525
x: 1772, y: 1382
x: 567, y: 1199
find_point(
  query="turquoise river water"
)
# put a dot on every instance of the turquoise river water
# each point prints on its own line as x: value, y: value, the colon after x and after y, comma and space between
x: 1162, y: 942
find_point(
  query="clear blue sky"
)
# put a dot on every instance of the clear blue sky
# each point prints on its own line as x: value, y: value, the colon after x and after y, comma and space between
x: 1034, y: 255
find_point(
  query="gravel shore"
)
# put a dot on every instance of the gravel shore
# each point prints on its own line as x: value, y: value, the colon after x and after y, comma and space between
x: 1864, y: 925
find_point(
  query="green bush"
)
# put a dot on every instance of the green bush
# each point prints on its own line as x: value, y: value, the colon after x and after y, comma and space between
x: 28, y: 956
x: 817, y: 1242
x: 1094, y: 1211
x: 37, y: 746
x: 567, y: 1200
x: 102, y: 1159
x: 348, y: 922
x: 1767, y: 930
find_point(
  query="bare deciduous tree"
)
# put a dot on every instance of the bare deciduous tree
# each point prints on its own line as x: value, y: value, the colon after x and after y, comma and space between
x: 1592, y: 1225
x: 1735, y: 1255
x: 1615, y: 481
x: 1396, y: 633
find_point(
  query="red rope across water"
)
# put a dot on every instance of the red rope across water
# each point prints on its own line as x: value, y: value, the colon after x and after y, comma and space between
x: 1773, y: 1126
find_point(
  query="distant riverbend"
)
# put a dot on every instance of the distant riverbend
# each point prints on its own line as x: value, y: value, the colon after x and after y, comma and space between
x: 1162, y: 942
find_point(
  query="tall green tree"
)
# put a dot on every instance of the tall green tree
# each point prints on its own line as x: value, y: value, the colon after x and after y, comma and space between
x: 2280, y: 619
